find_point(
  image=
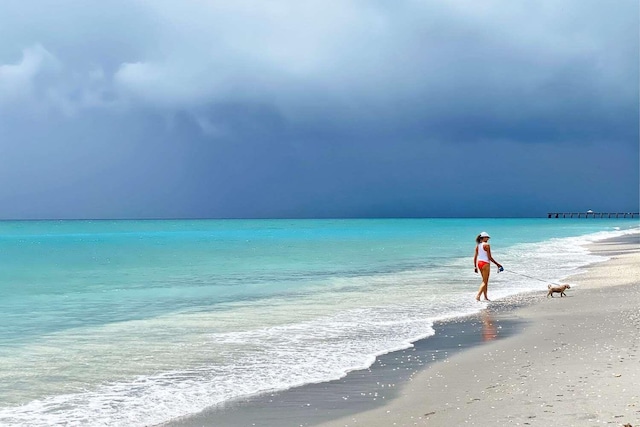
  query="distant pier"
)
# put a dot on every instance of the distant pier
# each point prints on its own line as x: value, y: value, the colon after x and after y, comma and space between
x: 591, y: 214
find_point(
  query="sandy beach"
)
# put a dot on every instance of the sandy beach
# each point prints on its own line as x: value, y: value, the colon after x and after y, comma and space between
x: 576, y: 361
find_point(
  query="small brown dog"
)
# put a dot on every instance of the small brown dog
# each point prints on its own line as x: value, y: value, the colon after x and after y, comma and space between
x: 560, y: 289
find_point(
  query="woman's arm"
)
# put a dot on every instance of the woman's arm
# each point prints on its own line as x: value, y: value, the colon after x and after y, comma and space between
x: 487, y: 248
x: 475, y: 260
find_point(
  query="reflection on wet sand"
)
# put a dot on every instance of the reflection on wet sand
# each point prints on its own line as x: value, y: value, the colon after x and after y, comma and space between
x: 489, y: 332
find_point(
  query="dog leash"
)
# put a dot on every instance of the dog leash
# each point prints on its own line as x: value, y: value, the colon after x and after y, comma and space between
x: 531, y: 277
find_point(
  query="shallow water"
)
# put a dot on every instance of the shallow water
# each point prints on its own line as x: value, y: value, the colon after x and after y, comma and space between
x: 138, y: 322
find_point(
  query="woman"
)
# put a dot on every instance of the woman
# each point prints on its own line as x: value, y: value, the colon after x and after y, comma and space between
x: 482, y: 260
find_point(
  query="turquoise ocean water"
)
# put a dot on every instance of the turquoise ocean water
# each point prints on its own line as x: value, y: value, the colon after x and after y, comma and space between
x: 132, y: 323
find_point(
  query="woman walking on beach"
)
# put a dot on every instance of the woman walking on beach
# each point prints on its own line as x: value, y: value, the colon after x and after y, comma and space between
x: 482, y: 261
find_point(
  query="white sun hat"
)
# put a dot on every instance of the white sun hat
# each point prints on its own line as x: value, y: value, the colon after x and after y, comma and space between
x: 485, y: 234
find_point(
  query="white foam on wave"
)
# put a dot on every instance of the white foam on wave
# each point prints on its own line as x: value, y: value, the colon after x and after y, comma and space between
x: 244, y: 363
x: 150, y: 371
x: 251, y: 348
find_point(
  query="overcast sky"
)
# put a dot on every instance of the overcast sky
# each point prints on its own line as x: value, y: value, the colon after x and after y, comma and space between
x: 316, y: 108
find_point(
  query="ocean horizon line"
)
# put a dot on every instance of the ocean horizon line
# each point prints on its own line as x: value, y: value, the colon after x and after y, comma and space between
x: 542, y: 216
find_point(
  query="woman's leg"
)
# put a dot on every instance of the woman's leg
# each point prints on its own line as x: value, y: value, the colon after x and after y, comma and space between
x: 485, y: 271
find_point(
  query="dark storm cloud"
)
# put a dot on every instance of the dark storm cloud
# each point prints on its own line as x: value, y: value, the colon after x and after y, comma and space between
x: 166, y: 108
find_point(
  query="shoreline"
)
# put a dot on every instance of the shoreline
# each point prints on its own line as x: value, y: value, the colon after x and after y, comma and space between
x: 365, y: 389
x: 398, y: 389
x: 576, y: 361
